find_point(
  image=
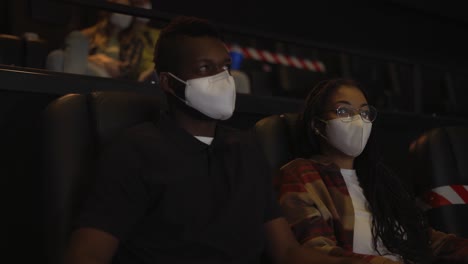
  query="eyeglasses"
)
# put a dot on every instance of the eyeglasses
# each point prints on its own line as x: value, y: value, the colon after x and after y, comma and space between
x: 347, y: 113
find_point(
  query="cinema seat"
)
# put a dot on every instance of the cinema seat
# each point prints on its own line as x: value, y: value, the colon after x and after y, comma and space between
x: 439, y: 172
x: 11, y: 50
x: 76, y: 126
x: 279, y: 138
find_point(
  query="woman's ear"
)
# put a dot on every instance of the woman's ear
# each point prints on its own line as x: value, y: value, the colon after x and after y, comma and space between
x: 313, y: 125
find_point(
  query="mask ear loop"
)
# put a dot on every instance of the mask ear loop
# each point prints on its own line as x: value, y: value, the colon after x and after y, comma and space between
x: 316, y: 130
x: 177, y: 78
x: 180, y: 80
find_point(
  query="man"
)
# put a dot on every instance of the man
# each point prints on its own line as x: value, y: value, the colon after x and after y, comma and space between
x: 185, y: 189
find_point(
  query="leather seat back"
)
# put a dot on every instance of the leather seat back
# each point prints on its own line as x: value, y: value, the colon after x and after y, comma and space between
x: 439, y: 161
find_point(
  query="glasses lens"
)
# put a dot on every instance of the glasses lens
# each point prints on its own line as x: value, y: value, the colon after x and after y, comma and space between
x: 345, y: 113
x: 368, y: 113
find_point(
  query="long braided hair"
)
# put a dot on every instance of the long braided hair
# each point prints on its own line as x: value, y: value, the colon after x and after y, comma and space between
x: 396, y: 220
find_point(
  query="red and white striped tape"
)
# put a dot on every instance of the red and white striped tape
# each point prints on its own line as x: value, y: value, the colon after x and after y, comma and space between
x: 445, y: 195
x: 278, y: 58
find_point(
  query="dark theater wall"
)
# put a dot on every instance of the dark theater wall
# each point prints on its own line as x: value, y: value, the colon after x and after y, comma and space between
x: 49, y: 19
x: 4, y: 19
x: 408, y: 29
x: 394, y: 27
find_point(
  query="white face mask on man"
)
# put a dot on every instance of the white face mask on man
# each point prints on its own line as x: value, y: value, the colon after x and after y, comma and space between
x: 349, y: 137
x: 214, y: 96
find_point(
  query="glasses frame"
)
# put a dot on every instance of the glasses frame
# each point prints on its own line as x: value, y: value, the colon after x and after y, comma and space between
x: 361, y: 112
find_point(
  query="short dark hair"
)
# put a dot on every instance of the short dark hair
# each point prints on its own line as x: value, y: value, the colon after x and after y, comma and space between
x: 167, y: 50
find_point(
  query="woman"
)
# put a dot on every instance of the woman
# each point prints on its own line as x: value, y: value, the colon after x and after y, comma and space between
x: 113, y: 46
x: 149, y: 35
x: 110, y: 48
x: 344, y: 200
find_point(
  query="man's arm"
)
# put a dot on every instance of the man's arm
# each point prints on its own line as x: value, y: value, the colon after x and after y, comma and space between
x: 91, y: 246
x: 282, y: 247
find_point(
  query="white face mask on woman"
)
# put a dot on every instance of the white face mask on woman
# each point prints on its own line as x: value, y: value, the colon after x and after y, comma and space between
x: 350, y: 137
x: 120, y: 20
x: 214, y: 96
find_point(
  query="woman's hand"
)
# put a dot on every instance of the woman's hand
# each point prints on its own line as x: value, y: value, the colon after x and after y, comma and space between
x: 112, y: 66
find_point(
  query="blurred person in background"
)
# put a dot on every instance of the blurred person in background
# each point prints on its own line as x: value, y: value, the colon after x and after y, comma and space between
x: 110, y: 48
x: 148, y: 35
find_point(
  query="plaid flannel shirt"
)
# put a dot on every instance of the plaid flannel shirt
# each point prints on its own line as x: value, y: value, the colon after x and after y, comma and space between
x: 317, y: 204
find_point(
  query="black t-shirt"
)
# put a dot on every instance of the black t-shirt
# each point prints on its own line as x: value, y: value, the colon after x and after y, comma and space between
x: 170, y: 198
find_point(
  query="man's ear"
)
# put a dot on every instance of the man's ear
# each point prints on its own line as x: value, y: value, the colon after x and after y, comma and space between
x: 165, y: 83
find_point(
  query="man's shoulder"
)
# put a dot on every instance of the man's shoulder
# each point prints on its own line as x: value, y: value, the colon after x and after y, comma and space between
x: 229, y: 130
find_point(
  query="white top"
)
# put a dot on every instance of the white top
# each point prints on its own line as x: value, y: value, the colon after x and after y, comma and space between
x: 206, y: 140
x: 362, y: 242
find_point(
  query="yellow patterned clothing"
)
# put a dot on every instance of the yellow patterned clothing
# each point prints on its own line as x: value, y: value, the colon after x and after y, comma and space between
x: 316, y: 202
x: 126, y: 47
x: 148, y: 36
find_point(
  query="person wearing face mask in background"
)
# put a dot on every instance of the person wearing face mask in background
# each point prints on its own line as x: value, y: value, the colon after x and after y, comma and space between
x: 149, y: 35
x: 107, y: 49
x: 342, y: 199
x: 184, y: 188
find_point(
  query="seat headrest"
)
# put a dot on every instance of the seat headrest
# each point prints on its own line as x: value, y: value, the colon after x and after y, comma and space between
x: 279, y: 138
x: 439, y: 157
x: 440, y: 175
x: 113, y: 111
x: 104, y: 113
x: 75, y: 127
